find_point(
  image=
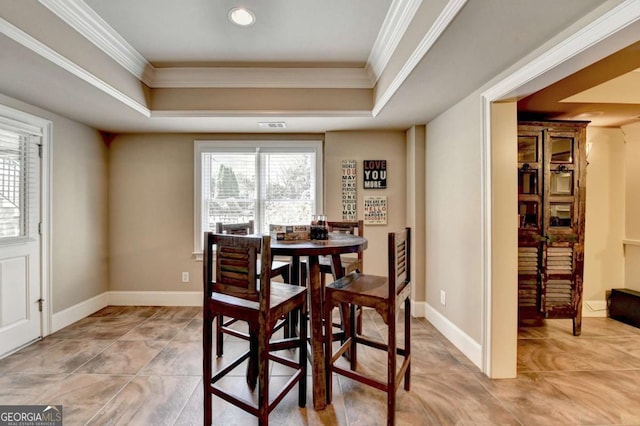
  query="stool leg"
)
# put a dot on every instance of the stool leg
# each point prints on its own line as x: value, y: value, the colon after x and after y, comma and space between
x: 302, y: 385
x: 286, y: 276
x: 253, y: 367
x: 328, y: 346
x: 219, y: 335
x: 391, y: 372
x: 263, y: 378
x: 407, y: 341
x: 207, y: 346
x: 354, y: 345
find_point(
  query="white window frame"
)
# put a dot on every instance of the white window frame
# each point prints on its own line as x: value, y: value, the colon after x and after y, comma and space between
x: 205, y: 146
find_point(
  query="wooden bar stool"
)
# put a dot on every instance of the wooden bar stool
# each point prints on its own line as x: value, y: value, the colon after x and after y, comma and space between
x: 385, y: 295
x: 242, y: 291
x: 278, y: 268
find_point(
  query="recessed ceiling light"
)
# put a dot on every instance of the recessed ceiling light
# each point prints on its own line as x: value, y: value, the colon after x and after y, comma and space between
x: 241, y: 16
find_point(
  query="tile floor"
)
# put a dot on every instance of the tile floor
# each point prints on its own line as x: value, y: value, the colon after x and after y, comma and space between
x: 141, y: 366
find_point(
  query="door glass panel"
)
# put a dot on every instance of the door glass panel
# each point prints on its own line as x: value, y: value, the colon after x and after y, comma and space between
x: 561, y: 150
x: 528, y: 213
x: 13, y: 180
x: 560, y: 214
x: 561, y: 183
x: 527, y: 149
x: 528, y: 182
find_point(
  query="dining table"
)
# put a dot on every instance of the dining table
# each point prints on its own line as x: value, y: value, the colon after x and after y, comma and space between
x: 336, y: 245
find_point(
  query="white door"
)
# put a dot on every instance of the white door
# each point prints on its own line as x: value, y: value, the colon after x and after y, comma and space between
x: 20, y: 266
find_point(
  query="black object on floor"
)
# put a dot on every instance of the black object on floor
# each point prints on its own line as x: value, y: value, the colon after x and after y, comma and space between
x: 624, y: 306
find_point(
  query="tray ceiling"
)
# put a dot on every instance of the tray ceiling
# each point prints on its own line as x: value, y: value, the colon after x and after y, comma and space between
x: 161, y: 65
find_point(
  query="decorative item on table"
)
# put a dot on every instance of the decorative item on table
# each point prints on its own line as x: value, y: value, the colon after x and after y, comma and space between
x: 289, y: 232
x: 319, y: 227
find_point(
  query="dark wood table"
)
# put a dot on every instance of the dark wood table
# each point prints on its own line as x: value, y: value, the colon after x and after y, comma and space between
x: 336, y: 245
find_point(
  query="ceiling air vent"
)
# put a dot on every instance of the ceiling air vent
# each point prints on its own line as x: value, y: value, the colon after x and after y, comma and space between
x: 273, y: 125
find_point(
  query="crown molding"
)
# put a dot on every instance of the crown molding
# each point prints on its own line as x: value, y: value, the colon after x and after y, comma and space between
x: 79, y: 16
x: 447, y: 15
x: 235, y: 77
x: 599, y: 31
x: 54, y: 57
x: 399, y: 16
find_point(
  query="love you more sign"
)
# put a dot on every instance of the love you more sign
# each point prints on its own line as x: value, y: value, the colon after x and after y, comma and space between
x: 375, y: 174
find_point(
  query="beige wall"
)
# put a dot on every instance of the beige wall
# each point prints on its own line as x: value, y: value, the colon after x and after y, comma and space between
x: 453, y: 215
x: 416, y: 196
x: 504, y: 256
x: 80, y: 214
x: 632, y: 267
x: 256, y: 99
x: 151, y: 203
x: 151, y: 213
x: 360, y: 146
x: 79, y: 225
x: 604, y: 227
x: 632, y: 206
x: 151, y: 210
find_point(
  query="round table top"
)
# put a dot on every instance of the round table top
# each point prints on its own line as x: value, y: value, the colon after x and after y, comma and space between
x: 336, y: 244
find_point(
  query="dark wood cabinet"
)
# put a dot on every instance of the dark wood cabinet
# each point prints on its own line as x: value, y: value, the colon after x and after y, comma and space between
x: 551, y: 210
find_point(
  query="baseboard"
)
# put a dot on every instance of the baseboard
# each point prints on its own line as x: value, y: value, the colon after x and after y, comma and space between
x: 78, y: 311
x: 418, y: 309
x: 594, y: 308
x: 155, y: 298
x: 83, y: 309
x: 469, y: 347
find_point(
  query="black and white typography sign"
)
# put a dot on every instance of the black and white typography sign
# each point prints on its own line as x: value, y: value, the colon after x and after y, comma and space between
x: 375, y: 210
x: 349, y: 194
x: 375, y: 174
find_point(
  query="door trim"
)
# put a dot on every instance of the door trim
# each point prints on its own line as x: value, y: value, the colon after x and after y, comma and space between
x: 44, y: 128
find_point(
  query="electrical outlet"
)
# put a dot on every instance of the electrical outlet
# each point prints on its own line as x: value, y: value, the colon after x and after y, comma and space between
x: 443, y: 297
x: 185, y: 277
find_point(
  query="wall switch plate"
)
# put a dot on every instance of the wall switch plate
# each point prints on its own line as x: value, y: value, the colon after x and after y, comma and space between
x: 443, y: 297
x: 185, y: 277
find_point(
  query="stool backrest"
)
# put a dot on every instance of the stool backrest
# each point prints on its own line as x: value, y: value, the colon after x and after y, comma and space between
x: 399, y: 260
x: 346, y: 227
x: 236, y: 266
x: 353, y: 228
x: 243, y: 228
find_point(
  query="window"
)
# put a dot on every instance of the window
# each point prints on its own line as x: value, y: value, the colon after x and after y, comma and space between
x: 269, y: 182
x: 18, y: 176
